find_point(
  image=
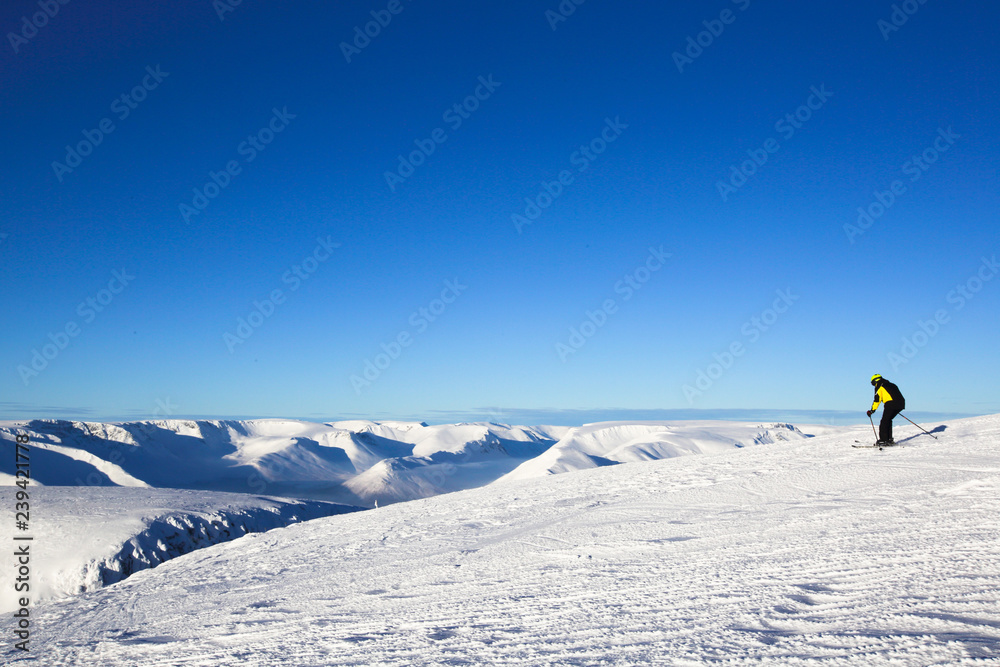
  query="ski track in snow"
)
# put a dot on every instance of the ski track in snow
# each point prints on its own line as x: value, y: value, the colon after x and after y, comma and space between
x: 789, y: 553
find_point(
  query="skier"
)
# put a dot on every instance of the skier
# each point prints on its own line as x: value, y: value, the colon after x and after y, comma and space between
x: 888, y: 393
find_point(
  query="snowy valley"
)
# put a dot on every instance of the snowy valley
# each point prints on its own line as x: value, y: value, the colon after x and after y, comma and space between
x: 90, y: 537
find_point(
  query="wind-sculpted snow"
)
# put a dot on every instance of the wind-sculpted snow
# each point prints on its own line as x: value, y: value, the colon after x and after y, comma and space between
x: 804, y: 551
x: 90, y: 537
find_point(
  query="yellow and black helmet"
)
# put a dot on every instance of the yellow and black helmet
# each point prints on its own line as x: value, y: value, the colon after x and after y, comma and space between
x: 876, y: 378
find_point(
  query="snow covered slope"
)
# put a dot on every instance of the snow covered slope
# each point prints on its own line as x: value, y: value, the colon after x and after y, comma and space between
x: 89, y: 537
x: 606, y: 443
x: 357, y: 462
x: 803, y: 551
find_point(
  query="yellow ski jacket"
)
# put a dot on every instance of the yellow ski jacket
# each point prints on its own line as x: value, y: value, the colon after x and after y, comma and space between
x: 885, y: 391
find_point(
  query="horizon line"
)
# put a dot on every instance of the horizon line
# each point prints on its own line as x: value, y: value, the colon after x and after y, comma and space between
x: 511, y: 416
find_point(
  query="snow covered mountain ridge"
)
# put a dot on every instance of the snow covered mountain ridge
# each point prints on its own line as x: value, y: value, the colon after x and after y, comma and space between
x: 354, y: 462
x: 607, y: 443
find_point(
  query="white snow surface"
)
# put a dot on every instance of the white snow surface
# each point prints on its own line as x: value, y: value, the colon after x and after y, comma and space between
x: 804, y: 551
x: 89, y: 537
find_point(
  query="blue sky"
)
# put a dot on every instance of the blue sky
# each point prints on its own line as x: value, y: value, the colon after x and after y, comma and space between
x: 197, y: 218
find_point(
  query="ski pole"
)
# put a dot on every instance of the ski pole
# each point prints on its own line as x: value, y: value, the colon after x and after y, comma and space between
x: 917, y: 425
x: 873, y: 427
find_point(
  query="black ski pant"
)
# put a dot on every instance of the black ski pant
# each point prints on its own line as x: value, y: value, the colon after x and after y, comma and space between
x: 889, y: 411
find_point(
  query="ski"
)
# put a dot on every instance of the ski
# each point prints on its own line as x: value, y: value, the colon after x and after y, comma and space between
x: 860, y: 445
